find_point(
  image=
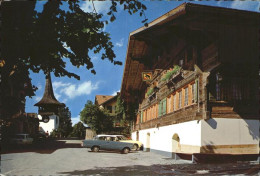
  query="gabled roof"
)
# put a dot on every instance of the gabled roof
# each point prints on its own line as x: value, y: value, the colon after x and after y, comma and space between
x: 100, y: 99
x: 185, y: 21
x: 48, y: 96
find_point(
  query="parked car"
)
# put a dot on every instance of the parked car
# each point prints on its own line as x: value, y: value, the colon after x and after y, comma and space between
x: 107, y: 142
x: 21, y: 139
x: 137, y: 144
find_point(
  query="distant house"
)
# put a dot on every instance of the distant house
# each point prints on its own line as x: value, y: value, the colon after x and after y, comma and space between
x: 200, y: 94
x: 108, y: 103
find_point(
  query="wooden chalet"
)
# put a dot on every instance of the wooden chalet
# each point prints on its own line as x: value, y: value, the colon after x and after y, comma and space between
x: 202, y: 94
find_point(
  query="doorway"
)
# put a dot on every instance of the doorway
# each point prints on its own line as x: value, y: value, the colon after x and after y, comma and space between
x: 176, y: 147
x: 148, y: 142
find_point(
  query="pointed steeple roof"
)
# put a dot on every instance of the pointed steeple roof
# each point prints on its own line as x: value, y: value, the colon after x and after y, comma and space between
x: 48, y: 96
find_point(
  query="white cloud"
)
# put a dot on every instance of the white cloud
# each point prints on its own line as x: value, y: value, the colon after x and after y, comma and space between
x: 39, y: 86
x: 120, y: 43
x: 64, y: 100
x: 245, y: 5
x: 57, y: 87
x: 37, y: 98
x: 115, y: 93
x: 100, y: 6
x: 76, y: 120
x: 72, y: 90
x: 58, y: 84
x: 57, y: 95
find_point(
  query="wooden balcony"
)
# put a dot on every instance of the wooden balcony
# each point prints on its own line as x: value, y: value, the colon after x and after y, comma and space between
x: 183, y: 115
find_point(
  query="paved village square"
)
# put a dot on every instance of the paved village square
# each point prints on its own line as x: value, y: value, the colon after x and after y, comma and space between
x: 179, y: 95
x: 67, y: 157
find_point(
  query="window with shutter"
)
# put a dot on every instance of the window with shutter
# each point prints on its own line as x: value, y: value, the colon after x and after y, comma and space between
x: 186, y: 96
x: 180, y: 99
x: 196, y: 91
x: 169, y: 104
x: 173, y: 103
x: 160, y: 109
x: 164, y: 107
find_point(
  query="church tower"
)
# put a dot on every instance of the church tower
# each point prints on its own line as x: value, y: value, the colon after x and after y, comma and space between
x: 48, y: 105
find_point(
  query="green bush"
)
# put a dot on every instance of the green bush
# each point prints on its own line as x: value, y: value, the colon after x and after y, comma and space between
x: 167, y: 76
x: 150, y: 91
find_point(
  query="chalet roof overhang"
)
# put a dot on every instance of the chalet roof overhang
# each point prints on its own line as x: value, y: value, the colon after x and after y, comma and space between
x: 190, y: 22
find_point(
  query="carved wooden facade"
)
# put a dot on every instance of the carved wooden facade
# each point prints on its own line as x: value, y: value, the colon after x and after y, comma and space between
x: 218, y: 60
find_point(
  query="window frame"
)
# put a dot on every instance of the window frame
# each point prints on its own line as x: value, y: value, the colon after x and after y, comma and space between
x: 186, y: 96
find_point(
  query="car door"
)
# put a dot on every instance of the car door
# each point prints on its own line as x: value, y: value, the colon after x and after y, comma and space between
x: 108, y: 143
x: 113, y: 144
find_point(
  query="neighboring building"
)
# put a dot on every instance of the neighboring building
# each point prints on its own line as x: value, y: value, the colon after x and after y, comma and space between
x: 100, y: 99
x: 202, y: 97
x: 49, y: 108
x: 108, y: 103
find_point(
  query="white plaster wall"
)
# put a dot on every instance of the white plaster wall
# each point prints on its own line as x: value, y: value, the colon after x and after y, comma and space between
x: 133, y: 136
x: 222, y: 131
x: 51, y: 125
x: 161, y: 138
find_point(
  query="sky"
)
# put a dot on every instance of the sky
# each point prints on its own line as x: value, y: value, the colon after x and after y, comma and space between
x: 107, y: 81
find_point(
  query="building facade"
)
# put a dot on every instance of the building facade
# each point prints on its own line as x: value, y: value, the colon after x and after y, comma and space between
x: 201, y: 94
x: 108, y: 103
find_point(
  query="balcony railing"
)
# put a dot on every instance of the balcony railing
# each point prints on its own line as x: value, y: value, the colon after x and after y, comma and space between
x: 182, y: 115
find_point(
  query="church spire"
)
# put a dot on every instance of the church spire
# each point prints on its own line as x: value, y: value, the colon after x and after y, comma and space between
x: 48, y: 98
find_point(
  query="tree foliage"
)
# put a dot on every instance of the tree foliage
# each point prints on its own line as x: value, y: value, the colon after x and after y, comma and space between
x: 126, y: 113
x: 96, y: 118
x: 65, y: 124
x: 33, y: 40
x: 120, y: 108
x: 78, y: 130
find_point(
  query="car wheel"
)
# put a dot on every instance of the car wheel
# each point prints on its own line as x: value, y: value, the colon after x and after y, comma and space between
x: 135, y: 147
x: 126, y: 150
x: 95, y: 149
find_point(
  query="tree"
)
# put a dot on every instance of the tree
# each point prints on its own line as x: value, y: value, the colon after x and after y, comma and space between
x: 95, y: 118
x: 65, y: 124
x: 120, y: 108
x: 126, y: 114
x: 78, y: 130
x: 35, y: 41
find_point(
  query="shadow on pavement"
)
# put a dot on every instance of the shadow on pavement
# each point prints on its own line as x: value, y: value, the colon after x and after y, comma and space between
x: 47, y: 146
x: 174, y: 169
